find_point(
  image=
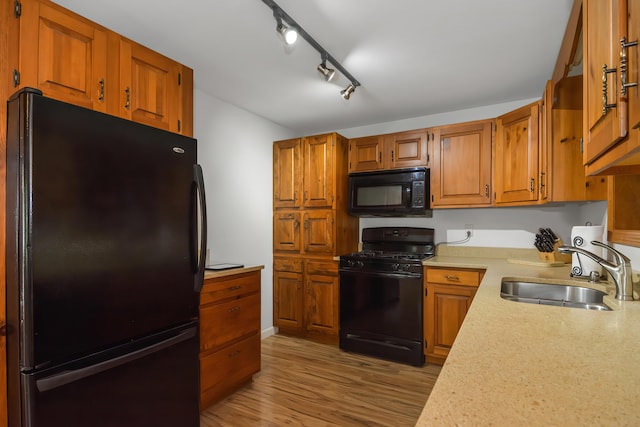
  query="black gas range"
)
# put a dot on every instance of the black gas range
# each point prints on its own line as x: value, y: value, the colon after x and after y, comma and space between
x: 381, y: 301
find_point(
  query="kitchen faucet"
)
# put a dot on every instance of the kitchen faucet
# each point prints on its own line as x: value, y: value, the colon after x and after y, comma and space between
x: 620, y: 269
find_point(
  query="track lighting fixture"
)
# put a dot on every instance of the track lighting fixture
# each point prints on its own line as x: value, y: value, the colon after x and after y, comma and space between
x: 288, y: 34
x: 286, y: 24
x: 346, y: 92
x: 328, y: 73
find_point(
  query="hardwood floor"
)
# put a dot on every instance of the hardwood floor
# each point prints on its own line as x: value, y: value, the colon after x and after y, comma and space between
x: 309, y: 384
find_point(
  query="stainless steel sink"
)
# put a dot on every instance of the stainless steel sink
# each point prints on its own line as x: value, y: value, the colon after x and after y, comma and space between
x: 553, y: 294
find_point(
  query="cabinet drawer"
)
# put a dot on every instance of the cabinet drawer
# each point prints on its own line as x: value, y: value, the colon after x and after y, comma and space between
x: 233, y: 286
x: 453, y: 277
x: 228, y: 368
x: 224, y: 322
x: 287, y: 264
x: 322, y: 267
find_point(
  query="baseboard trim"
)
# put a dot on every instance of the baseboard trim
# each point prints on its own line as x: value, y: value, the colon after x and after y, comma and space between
x: 266, y: 333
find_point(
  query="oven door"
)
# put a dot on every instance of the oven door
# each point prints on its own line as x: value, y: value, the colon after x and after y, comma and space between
x: 381, y: 314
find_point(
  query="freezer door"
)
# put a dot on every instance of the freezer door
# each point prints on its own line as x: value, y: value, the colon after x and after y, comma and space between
x: 105, y: 224
x: 155, y: 385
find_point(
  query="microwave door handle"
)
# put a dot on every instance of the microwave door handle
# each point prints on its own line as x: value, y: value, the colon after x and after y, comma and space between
x: 406, y: 196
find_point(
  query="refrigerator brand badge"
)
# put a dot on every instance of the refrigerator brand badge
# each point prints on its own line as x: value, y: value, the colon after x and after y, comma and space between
x: 178, y: 150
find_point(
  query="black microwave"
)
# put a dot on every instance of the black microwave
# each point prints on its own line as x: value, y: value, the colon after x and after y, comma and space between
x: 399, y: 192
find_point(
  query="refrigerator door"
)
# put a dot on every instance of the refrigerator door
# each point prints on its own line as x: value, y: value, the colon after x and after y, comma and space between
x: 104, y: 229
x: 155, y: 384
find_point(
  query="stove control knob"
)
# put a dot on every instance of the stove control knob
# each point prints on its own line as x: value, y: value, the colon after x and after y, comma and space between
x: 395, y: 267
x: 359, y: 264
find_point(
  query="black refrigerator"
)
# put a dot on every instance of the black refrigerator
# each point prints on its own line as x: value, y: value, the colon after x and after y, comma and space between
x: 106, y: 234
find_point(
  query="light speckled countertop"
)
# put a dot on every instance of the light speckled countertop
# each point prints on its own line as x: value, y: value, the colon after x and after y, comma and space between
x: 212, y: 274
x: 523, y: 364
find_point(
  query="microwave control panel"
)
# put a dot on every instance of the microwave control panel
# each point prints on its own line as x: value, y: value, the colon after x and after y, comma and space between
x: 417, y: 194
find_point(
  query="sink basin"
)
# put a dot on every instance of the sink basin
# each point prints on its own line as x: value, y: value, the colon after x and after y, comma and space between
x: 553, y: 294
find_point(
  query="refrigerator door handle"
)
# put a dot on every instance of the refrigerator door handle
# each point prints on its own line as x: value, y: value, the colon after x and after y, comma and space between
x: 58, y: 380
x: 201, y: 246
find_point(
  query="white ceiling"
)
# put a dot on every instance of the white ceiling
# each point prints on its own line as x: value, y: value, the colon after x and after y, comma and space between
x: 412, y: 57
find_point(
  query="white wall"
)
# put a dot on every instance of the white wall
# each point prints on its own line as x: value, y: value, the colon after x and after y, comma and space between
x: 479, y: 113
x: 513, y: 227
x: 235, y: 151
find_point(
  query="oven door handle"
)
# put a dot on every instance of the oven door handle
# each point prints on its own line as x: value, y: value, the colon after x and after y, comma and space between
x: 403, y: 275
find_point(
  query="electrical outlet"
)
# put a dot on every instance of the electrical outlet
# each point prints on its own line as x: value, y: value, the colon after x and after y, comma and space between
x: 468, y: 230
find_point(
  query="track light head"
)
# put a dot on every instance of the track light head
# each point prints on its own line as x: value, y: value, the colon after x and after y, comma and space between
x: 328, y: 73
x: 346, y: 93
x: 288, y: 34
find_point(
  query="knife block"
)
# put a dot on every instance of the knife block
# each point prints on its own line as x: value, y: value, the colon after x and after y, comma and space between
x: 555, y: 256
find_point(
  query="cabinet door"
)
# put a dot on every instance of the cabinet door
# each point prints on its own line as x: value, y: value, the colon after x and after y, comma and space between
x: 633, y: 64
x: 288, y: 300
x: 624, y: 205
x: 365, y: 154
x: 222, y: 323
x: 149, y: 87
x: 287, y: 177
x: 318, y: 235
x: 319, y: 174
x: 63, y: 55
x: 407, y: 149
x: 516, y: 154
x: 447, y: 306
x: 461, y: 166
x: 321, y: 298
x: 605, y: 110
x: 286, y: 231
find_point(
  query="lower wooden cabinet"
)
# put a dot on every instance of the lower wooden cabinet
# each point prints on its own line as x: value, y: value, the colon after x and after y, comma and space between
x: 305, y: 297
x: 448, y: 296
x: 229, y: 334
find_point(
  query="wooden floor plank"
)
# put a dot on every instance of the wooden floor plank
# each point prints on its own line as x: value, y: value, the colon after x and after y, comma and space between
x: 303, y: 383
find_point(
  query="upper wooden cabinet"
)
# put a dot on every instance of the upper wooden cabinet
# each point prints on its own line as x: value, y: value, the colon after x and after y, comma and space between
x: 365, y: 154
x: 287, y: 170
x: 305, y: 173
x: 63, y: 55
x: 461, y: 164
x: 611, y: 110
x: 407, y: 149
x: 605, y: 109
x: 319, y: 171
x: 392, y: 151
x: 516, y: 155
x: 78, y: 61
x: 150, y: 86
x: 564, y: 179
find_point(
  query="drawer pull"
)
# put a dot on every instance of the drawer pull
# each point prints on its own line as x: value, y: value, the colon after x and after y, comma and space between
x: 452, y: 278
x: 127, y: 94
x: 101, y: 90
x: 234, y: 309
x: 234, y: 353
x: 234, y: 288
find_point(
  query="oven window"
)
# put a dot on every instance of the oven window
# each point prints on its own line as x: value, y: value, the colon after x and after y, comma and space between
x: 388, y: 195
x: 381, y: 304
